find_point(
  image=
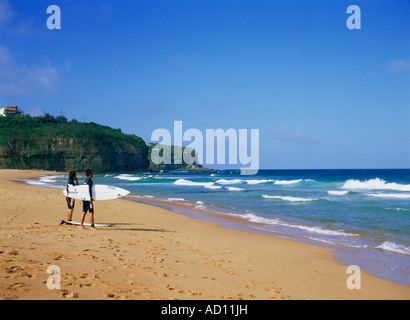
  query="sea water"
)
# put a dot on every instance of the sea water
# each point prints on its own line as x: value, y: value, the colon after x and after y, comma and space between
x: 362, y: 215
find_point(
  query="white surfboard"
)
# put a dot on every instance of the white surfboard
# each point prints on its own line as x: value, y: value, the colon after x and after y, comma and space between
x: 85, y: 224
x: 100, y: 192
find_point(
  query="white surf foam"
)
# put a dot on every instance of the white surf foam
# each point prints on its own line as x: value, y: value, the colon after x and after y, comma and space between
x: 48, y: 179
x: 288, y: 198
x: 390, y: 195
x: 375, y: 184
x: 339, y: 244
x: 235, y: 189
x: 176, y: 199
x: 184, y: 182
x: 233, y: 181
x: 271, y: 221
x: 256, y: 181
x: 338, y: 192
x: 45, y: 181
x: 394, y: 247
x: 35, y: 182
x: 128, y: 177
x: 254, y: 218
x: 285, y: 182
x: 208, y: 185
x: 326, y: 231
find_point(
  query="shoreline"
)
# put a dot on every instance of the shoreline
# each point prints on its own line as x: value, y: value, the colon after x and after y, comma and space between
x: 344, y: 254
x: 242, y: 264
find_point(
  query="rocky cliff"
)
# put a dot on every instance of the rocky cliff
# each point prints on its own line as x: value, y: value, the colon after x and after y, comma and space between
x: 50, y: 143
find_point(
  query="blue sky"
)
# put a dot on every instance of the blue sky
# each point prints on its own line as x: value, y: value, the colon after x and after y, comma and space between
x: 322, y: 96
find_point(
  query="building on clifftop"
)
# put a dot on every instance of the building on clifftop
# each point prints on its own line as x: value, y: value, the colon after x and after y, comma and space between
x: 10, y: 110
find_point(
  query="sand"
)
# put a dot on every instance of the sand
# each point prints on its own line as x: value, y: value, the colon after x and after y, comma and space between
x: 152, y: 253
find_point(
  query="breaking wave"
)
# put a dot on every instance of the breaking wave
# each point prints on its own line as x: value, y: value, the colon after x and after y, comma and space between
x: 235, y: 189
x: 258, y: 181
x: 394, y: 247
x: 285, y: 182
x: 225, y: 181
x: 338, y: 192
x: 375, y: 184
x: 128, y: 177
x: 288, y: 198
x: 207, y: 185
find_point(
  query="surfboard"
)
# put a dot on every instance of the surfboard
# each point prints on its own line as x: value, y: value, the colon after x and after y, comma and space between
x: 85, y: 224
x: 100, y: 192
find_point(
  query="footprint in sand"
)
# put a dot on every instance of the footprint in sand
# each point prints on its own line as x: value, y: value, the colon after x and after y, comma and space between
x: 70, y: 295
x: 180, y: 275
x: 116, y: 297
x: 158, y: 260
x: 19, y: 286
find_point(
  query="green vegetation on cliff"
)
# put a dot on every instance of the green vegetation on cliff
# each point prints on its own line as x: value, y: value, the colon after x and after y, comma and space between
x: 54, y: 143
x: 50, y: 143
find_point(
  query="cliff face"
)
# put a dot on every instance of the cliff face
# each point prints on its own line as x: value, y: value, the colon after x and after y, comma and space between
x: 65, y: 154
x: 50, y: 143
x: 29, y: 143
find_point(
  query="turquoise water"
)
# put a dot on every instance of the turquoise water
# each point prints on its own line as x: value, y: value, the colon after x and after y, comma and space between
x: 363, y: 215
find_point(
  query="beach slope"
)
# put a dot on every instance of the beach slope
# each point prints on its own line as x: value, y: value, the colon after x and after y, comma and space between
x: 152, y: 253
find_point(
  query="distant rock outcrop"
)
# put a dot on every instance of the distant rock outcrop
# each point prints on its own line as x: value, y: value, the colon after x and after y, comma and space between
x: 175, y: 165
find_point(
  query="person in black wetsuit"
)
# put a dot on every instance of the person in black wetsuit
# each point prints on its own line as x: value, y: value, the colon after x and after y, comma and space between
x: 89, y: 205
x: 72, y: 181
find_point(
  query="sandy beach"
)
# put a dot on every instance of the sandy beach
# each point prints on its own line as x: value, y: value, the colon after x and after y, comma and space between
x: 153, y: 253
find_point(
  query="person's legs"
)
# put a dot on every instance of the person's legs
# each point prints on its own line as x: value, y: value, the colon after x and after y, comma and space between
x: 82, y: 219
x: 85, y: 209
x: 92, y: 221
x: 70, y: 205
x: 92, y: 215
x: 70, y: 214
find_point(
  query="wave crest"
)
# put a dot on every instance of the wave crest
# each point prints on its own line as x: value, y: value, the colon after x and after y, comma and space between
x: 207, y: 185
x: 235, y: 189
x: 338, y: 192
x: 285, y: 182
x: 375, y: 184
x: 394, y: 247
x: 225, y: 181
x: 288, y: 198
x: 128, y: 177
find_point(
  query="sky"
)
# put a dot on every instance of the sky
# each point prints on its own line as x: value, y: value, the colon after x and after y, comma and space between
x: 322, y: 95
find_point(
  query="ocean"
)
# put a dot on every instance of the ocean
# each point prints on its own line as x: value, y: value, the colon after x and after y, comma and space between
x: 363, y: 216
